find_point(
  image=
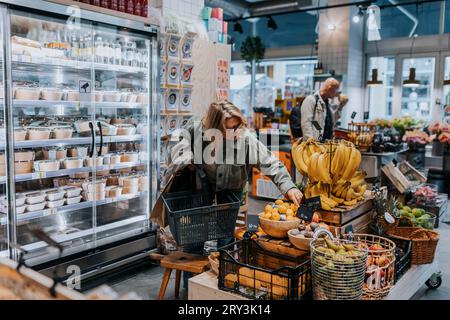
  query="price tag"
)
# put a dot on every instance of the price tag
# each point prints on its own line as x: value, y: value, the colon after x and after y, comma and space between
x: 38, y: 175
x: 308, y: 207
x: 252, y: 222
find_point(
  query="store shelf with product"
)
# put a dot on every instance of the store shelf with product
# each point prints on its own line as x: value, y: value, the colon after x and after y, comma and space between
x: 76, y: 104
x: 71, y: 208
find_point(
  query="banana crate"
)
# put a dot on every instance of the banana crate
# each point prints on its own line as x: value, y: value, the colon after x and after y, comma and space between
x: 247, y: 269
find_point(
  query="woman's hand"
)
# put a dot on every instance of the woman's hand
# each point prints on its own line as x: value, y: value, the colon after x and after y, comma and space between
x: 295, y: 196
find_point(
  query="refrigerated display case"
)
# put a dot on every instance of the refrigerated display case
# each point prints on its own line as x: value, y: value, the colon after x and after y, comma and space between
x: 79, y: 116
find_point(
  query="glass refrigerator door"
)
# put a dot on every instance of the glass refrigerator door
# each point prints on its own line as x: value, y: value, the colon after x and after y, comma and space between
x: 3, y: 192
x: 54, y: 133
x: 122, y: 106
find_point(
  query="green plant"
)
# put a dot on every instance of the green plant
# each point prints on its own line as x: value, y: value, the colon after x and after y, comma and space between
x: 252, y: 48
x: 381, y: 206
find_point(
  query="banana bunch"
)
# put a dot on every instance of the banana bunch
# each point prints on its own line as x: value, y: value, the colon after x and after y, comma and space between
x: 332, y: 173
x: 302, y: 153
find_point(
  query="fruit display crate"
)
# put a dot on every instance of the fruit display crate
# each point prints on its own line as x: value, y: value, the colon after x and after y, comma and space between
x: 247, y: 269
x: 438, y: 210
x: 340, y: 216
x: 279, y: 246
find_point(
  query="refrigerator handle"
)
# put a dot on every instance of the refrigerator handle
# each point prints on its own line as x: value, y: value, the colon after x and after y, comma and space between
x: 91, y: 126
x: 101, y: 138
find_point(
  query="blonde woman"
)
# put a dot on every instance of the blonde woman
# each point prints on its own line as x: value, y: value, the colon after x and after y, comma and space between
x: 222, y: 135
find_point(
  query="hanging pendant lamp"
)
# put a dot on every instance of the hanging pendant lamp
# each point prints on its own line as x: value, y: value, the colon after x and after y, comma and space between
x: 374, y: 82
x: 411, y: 82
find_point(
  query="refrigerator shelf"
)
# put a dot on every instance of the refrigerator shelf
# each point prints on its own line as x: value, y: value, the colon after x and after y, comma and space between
x: 76, y: 104
x: 73, y: 141
x: 28, y: 216
x: 83, y: 233
x: 65, y: 172
x: 50, y: 64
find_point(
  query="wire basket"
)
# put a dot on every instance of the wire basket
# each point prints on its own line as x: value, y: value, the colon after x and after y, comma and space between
x: 336, y: 276
x: 380, y: 273
x: 247, y: 269
x: 196, y: 218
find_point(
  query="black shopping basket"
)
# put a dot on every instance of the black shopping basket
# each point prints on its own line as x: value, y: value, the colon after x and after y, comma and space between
x: 194, y: 217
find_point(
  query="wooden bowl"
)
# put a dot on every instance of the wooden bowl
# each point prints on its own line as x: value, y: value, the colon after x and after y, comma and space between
x: 299, y: 242
x: 278, y: 229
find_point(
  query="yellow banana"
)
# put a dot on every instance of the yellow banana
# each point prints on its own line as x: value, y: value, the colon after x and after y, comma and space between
x: 350, y: 203
x: 326, y: 206
x: 323, y: 168
x: 330, y: 202
x: 336, y: 199
x: 312, y: 169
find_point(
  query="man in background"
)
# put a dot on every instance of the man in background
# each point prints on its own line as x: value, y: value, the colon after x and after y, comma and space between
x: 317, y: 116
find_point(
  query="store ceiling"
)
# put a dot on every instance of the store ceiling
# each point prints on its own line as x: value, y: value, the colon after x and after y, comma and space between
x: 245, y: 8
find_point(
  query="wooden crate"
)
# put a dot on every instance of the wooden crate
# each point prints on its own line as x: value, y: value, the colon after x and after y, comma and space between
x: 342, y: 215
x: 37, y: 281
x: 281, y: 246
x: 358, y: 225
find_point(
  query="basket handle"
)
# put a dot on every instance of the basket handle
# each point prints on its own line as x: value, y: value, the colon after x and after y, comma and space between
x: 321, y: 231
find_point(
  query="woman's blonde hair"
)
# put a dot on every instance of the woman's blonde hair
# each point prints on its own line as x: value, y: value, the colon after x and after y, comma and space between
x: 219, y: 112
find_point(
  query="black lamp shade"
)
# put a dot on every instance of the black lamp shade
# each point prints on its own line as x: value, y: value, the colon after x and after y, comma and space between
x: 374, y: 81
x: 411, y: 81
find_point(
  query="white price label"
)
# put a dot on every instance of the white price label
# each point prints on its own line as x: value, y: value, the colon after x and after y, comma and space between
x: 38, y: 175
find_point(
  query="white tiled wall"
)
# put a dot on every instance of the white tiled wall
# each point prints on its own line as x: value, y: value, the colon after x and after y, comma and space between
x: 186, y: 8
x: 342, y: 51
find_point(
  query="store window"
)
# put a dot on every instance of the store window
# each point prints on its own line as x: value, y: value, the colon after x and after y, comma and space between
x: 418, y: 101
x: 400, y: 21
x: 381, y: 96
x: 447, y: 77
x: 288, y: 78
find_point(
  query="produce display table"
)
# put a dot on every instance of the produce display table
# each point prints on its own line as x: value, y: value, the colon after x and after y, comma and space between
x: 413, y: 280
x: 204, y: 286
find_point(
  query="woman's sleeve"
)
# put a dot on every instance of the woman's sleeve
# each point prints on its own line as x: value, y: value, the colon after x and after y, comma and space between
x: 270, y: 165
x: 179, y: 154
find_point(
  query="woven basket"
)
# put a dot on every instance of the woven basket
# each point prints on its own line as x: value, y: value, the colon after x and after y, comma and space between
x: 380, y: 275
x: 424, y: 242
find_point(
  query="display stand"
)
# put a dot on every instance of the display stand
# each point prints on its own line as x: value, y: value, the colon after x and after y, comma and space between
x: 204, y: 286
x: 413, y: 280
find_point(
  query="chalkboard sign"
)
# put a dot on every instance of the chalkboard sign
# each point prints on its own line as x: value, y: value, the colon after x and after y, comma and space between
x: 353, y: 116
x: 366, y: 115
x: 308, y: 207
x: 252, y: 222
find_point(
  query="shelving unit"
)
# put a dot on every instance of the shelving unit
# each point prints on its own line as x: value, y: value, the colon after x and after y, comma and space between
x: 70, y: 208
x: 65, y: 172
x: 75, y: 104
x: 44, y: 64
x: 37, y: 60
x: 73, y: 141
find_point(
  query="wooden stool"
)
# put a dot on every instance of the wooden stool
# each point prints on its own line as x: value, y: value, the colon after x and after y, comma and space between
x: 181, y: 261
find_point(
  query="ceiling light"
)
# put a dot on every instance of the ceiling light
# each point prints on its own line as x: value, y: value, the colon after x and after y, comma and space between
x: 238, y: 27
x: 271, y: 24
x: 357, y: 17
x: 411, y: 82
x: 331, y: 27
x: 374, y: 81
